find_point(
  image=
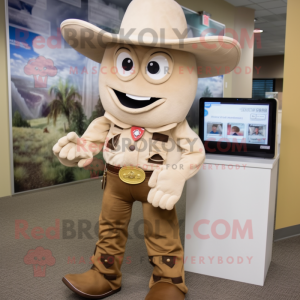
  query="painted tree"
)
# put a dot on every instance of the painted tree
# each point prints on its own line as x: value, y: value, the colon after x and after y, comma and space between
x: 18, y: 121
x: 78, y: 120
x: 65, y: 102
x: 98, y: 111
x: 207, y: 93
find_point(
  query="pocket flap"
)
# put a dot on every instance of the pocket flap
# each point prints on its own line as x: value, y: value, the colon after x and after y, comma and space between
x: 157, y: 156
x: 113, y: 142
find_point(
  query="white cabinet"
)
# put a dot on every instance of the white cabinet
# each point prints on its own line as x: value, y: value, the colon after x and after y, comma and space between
x: 230, y: 208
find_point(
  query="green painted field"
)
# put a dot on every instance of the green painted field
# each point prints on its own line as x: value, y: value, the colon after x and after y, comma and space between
x: 35, y: 166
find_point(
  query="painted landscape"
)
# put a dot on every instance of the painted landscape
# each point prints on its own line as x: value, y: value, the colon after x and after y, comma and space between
x: 35, y: 166
x: 54, y: 89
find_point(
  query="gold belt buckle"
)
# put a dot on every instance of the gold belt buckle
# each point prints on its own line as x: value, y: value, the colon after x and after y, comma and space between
x: 132, y: 175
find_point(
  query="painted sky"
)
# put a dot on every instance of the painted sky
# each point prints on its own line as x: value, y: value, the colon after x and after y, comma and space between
x: 22, y: 50
x: 215, y: 85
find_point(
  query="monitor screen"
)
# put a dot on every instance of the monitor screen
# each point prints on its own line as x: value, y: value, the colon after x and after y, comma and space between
x: 238, y: 126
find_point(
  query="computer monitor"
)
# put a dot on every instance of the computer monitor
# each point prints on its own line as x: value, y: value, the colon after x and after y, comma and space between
x: 237, y: 126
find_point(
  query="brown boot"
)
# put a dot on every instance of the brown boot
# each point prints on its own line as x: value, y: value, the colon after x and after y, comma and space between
x: 91, y: 285
x: 165, y: 291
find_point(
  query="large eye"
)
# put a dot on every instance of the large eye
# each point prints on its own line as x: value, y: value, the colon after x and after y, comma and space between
x: 157, y: 67
x: 125, y: 64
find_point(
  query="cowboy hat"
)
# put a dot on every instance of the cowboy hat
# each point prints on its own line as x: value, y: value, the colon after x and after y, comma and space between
x: 155, y: 23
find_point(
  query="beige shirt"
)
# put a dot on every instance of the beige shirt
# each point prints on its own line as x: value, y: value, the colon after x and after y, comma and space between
x: 174, y: 146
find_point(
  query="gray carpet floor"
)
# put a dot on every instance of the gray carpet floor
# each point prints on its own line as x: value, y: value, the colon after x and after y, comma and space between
x: 79, y: 205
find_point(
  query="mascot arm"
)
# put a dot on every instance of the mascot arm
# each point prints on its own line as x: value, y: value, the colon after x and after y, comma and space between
x: 167, y: 182
x: 74, y: 151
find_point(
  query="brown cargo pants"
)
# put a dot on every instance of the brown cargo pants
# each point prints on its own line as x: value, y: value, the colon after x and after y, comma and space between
x: 163, y: 246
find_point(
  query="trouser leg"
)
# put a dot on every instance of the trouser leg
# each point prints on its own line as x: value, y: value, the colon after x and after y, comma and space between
x: 113, y: 229
x: 164, y: 246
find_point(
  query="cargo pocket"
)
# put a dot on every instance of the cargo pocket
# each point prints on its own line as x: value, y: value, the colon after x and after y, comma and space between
x: 113, y: 137
x: 158, y: 153
x: 112, y: 142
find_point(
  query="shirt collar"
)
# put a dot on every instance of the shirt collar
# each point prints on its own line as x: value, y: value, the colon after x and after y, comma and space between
x: 149, y: 129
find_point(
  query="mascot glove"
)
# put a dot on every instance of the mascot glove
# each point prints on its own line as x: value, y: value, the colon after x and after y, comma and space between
x: 69, y: 152
x: 167, y: 186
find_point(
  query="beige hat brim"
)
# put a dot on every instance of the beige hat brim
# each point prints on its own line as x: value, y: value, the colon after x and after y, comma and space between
x: 215, y: 55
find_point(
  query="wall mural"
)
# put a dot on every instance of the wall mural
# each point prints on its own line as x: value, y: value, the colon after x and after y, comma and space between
x: 54, y: 90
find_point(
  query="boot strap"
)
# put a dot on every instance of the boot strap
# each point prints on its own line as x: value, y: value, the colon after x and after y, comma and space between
x: 175, y: 280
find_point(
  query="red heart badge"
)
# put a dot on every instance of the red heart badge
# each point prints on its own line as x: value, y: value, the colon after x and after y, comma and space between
x: 137, y: 132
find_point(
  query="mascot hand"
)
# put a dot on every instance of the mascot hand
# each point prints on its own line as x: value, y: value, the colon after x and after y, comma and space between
x: 167, y: 186
x: 69, y: 154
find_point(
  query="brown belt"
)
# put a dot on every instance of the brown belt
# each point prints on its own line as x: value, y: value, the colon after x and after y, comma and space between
x: 115, y: 170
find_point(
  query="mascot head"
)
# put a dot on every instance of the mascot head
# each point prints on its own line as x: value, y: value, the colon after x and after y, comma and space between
x: 149, y: 71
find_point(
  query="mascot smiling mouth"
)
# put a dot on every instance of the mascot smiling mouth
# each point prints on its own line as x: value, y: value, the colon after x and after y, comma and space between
x: 135, y: 102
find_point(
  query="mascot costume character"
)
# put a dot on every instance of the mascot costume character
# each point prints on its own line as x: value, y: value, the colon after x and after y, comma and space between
x: 148, y: 82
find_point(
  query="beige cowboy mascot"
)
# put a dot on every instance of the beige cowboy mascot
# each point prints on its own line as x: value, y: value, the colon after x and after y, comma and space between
x: 148, y: 82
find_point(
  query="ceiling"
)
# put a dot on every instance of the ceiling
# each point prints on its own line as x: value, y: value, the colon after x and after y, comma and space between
x: 271, y: 17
